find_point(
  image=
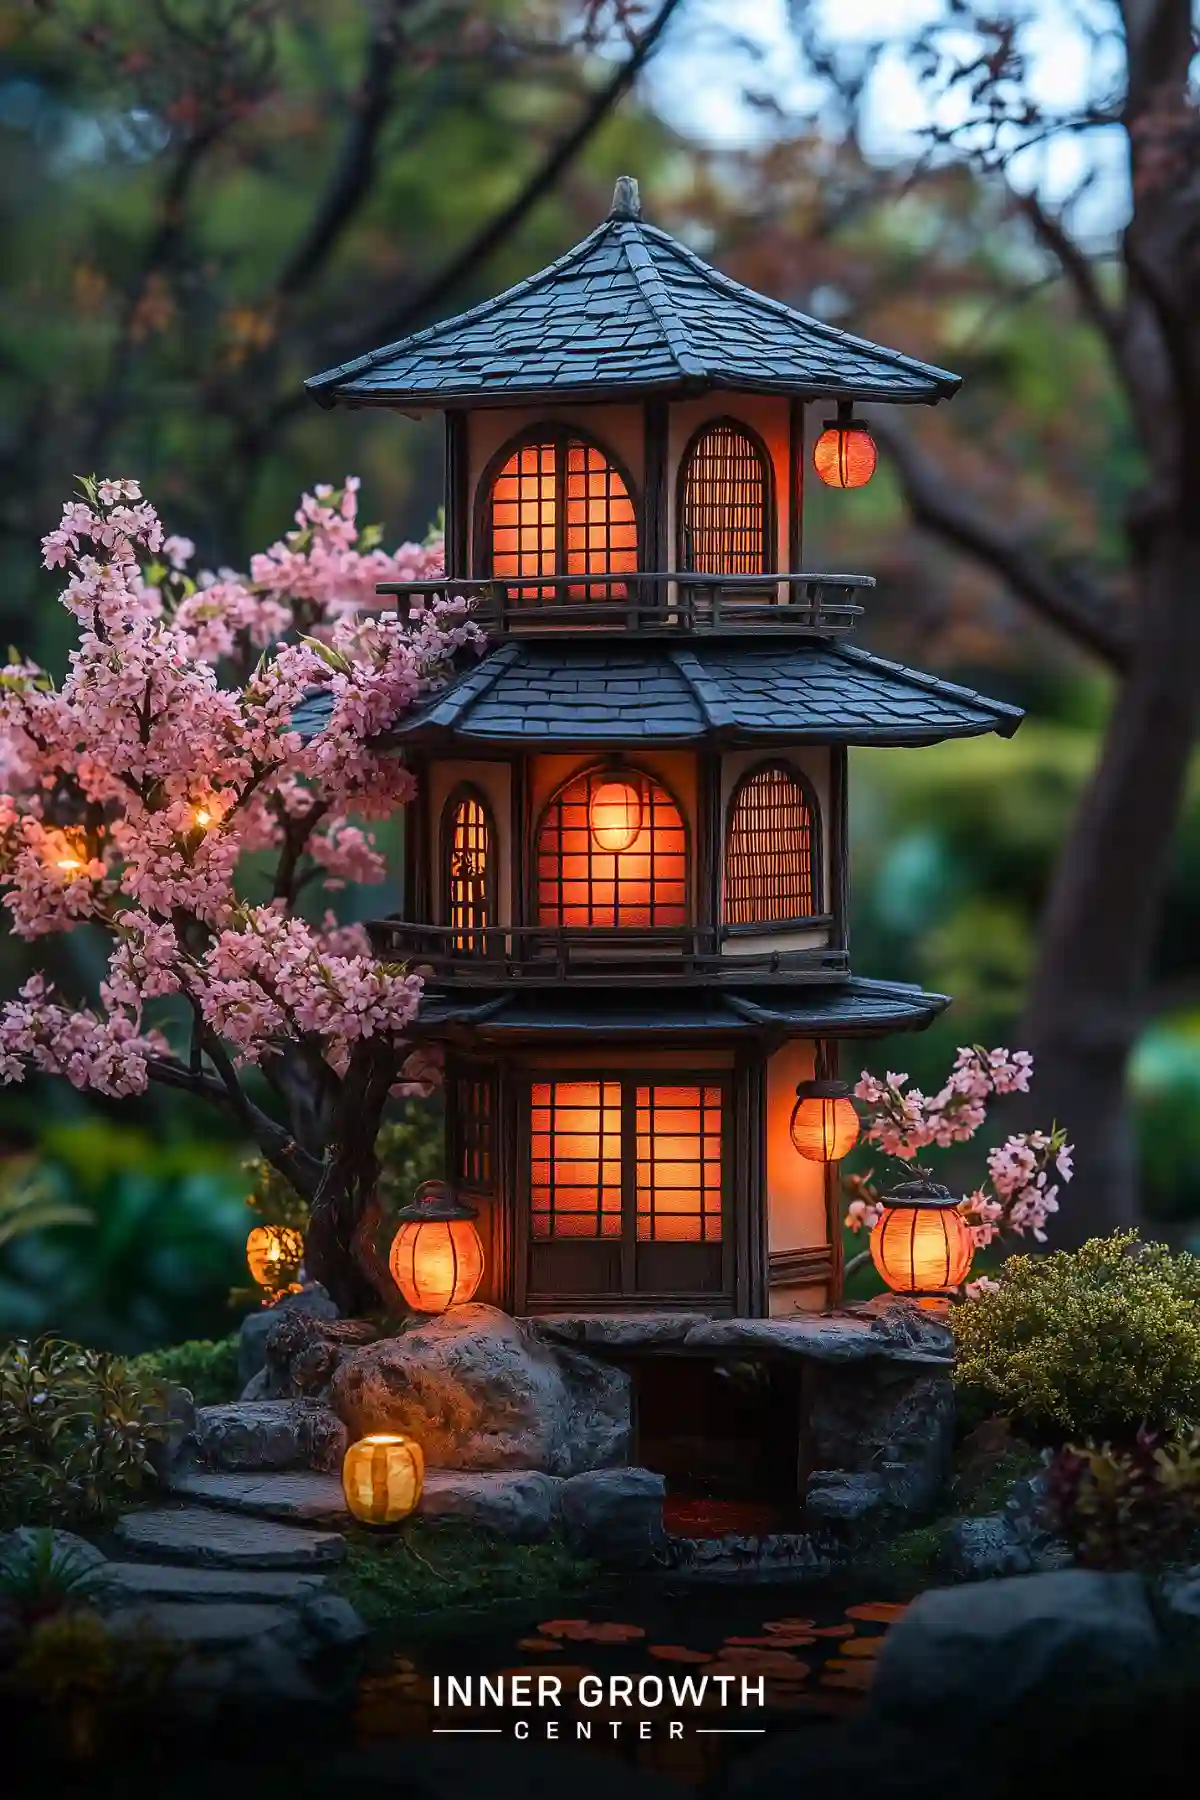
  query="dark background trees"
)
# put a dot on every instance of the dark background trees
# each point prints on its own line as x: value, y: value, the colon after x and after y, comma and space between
x: 203, y: 201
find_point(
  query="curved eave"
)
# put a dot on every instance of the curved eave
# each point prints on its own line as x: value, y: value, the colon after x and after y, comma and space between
x: 403, y: 399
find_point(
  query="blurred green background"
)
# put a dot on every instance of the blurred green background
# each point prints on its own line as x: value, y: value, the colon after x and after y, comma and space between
x: 200, y: 205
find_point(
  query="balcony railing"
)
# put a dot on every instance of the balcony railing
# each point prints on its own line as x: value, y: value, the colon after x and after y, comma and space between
x: 539, y: 956
x: 671, y: 602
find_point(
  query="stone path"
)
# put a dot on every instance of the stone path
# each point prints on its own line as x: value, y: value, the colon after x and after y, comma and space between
x: 300, y: 1496
x: 204, y: 1537
x: 180, y: 1582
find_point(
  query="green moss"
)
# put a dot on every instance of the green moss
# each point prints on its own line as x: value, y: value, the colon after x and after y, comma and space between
x: 208, y: 1368
x: 395, y: 1575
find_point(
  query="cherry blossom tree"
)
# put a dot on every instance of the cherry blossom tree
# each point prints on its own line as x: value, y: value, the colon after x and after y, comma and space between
x: 1020, y: 1192
x: 163, y: 798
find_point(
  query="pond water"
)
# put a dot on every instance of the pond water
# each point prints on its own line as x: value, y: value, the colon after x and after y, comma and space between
x: 783, y: 1656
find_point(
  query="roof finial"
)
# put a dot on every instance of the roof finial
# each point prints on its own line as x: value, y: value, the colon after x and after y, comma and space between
x: 626, y: 204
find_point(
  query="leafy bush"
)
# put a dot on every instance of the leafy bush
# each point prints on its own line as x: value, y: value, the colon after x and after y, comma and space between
x: 208, y: 1368
x: 1090, y: 1343
x: 76, y: 1428
x: 40, y: 1577
x: 1132, y: 1508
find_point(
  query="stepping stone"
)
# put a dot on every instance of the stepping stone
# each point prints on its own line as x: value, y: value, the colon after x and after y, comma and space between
x: 269, y: 1434
x: 301, y: 1495
x: 127, y: 1582
x: 203, y: 1537
x: 199, y: 1627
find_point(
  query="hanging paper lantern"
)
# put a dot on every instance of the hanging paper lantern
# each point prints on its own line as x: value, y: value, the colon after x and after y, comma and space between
x: 844, y: 455
x: 274, y: 1254
x: 436, y: 1258
x: 615, y: 815
x: 922, y: 1245
x: 824, y: 1124
x: 382, y: 1477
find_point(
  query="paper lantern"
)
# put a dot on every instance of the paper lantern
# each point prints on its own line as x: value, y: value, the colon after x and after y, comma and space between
x: 436, y: 1257
x: 824, y: 1124
x: 274, y: 1254
x: 382, y: 1477
x: 844, y: 455
x: 922, y: 1245
x: 615, y: 815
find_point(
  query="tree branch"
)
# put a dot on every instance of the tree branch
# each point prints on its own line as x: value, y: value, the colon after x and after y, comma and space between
x: 1079, y: 607
x: 277, y: 1145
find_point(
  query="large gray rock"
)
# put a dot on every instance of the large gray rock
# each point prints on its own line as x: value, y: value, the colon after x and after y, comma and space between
x: 480, y: 1390
x: 615, y: 1515
x: 303, y: 1495
x: 888, y: 1419
x: 965, y: 1652
x: 889, y: 1328
x: 206, y: 1538
x: 835, y: 1497
x: 311, y: 1302
x: 332, y: 1621
x: 982, y: 1549
x: 519, y: 1504
x: 269, y: 1434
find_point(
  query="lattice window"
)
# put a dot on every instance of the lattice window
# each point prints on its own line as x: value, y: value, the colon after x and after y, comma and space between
x: 679, y: 1164
x: 726, y: 504
x: 561, y: 507
x: 580, y: 884
x: 467, y: 836
x: 576, y: 1162
x: 769, y: 851
x: 475, y: 1127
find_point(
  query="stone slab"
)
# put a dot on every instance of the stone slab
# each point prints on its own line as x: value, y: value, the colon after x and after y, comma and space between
x: 518, y: 1504
x: 302, y: 1496
x: 618, y: 1331
x: 269, y: 1434
x: 213, y: 1626
x: 207, y: 1538
x: 896, y: 1331
x: 128, y: 1581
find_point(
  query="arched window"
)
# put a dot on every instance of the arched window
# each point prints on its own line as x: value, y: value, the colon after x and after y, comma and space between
x: 771, y: 849
x: 468, y: 857
x: 558, y: 505
x: 726, y: 502
x: 612, y: 850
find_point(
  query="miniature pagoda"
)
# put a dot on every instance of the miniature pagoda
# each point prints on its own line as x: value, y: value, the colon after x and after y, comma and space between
x: 626, y: 875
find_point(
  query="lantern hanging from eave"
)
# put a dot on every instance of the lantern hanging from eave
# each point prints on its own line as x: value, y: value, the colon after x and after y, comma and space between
x: 844, y: 455
x: 382, y: 1477
x: 274, y: 1254
x: 824, y: 1124
x: 436, y: 1258
x: 615, y: 815
x: 921, y: 1244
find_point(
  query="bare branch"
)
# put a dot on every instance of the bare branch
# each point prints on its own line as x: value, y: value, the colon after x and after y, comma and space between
x: 277, y: 1145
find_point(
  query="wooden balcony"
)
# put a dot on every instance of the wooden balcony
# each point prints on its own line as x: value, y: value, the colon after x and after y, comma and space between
x: 531, y: 956
x: 670, y: 603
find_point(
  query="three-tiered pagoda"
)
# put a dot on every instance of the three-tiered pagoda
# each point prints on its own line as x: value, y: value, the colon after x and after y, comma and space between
x: 626, y: 876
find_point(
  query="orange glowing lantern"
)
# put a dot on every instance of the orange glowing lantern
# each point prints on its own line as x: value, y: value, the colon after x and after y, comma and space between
x: 615, y: 816
x: 824, y: 1124
x: 274, y: 1254
x: 382, y: 1477
x: 922, y: 1245
x: 844, y: 455
x: 436, y: 1258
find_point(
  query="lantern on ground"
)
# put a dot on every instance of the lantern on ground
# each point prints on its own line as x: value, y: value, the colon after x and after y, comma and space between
x: 382, y: 1476
x: 436, y: 1258
x: 922, y: 1245
x: 274, y: 1254
x: 844, y: 455
x: 615, y: 815
x: 824, y: 1124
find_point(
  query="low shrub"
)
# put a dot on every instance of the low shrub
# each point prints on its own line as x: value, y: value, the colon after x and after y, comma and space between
x: 76, y: 1428
x: 207, y: 1367
x: 1129, y: 1508
x: 40, y: 1576
x: 1088, y: 1343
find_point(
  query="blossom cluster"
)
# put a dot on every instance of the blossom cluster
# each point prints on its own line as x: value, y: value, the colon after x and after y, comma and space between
x: 1021, y: 1190
x: 137, y: 790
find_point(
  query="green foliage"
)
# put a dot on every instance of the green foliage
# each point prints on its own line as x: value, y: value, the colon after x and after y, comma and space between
x: 1134, y: 1507
x: 422, y: 1568
x: 208, y: 1368
x: 411, y: 1149
x: 1090, y: 1342
x: 39, y: 1577
x: 76, y: 1428
x: 29, y: 1203
x: 273, y: 1200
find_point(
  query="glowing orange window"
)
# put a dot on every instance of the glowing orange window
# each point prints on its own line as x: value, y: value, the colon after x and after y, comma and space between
x: 575, y: 1134
x: 679, y: 1164
x: 725, y: 509
x: 560, y: 507
x: 769, y: 851
x: 582, y: 883
x: 468, y: 841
